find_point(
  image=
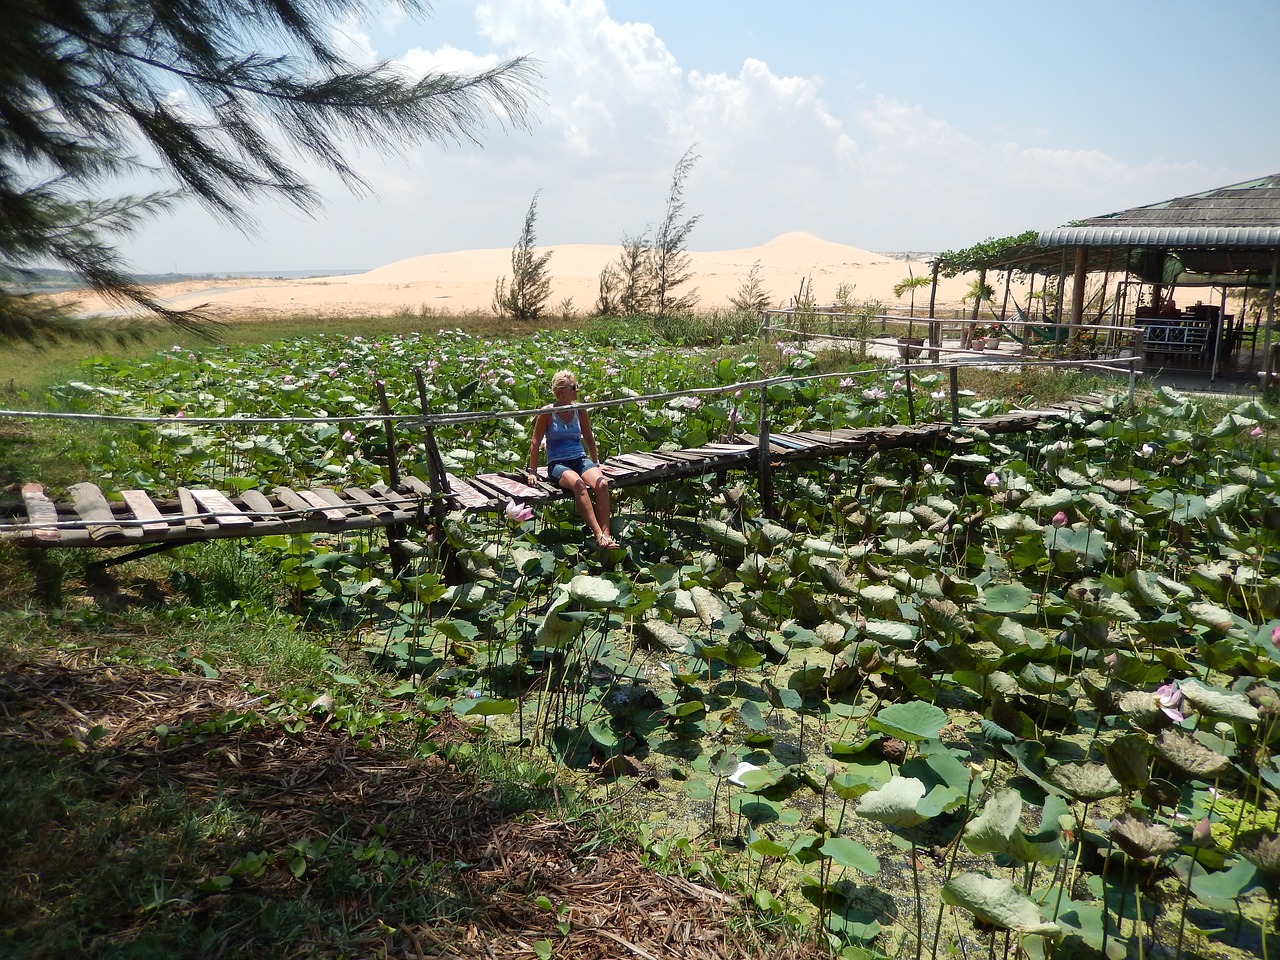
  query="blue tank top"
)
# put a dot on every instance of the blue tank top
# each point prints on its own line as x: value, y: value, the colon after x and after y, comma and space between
x: 564, y: 440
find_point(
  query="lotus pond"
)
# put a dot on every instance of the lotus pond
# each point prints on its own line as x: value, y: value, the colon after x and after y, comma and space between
x: 1017, y: 691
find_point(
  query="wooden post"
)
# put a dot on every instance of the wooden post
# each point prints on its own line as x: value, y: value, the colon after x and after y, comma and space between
x: 953, y: 372
x: 435, y: 465
x: 765, y: 476
x: 440, y: 488
x: 395, y: 532
x: 935, y: 340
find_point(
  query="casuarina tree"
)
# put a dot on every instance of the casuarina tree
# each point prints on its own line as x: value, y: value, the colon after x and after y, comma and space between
x: 217, y: 99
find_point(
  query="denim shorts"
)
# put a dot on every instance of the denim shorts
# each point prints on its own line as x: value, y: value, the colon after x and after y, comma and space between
x: 578, y: 465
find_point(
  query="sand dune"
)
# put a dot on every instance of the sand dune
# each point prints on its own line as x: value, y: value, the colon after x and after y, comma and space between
x: 464, y: 281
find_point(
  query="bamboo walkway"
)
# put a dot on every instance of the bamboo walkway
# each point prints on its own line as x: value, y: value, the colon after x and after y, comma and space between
x: 88, y: 519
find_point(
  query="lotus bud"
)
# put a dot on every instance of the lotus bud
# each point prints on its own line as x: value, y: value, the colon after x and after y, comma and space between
x: 1202, y: 835
x: 1060, y: 519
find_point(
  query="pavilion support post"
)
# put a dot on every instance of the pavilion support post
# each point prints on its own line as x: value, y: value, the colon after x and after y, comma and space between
x: 1271, y: 300
x: 763, y: 470
x: 1077, y: 286
x: 935, y: 339
x: 1057, y: 313
x: 395, y: 532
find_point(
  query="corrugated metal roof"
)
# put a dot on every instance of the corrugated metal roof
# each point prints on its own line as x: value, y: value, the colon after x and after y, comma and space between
x: 1237, y: 216
x: 1160, y: 236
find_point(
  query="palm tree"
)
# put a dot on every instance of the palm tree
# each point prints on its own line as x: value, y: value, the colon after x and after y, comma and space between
x: 220, y: 94
x: 912, y: 283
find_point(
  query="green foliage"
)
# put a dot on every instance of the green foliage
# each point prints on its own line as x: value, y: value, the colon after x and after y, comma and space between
x: 982, y: 256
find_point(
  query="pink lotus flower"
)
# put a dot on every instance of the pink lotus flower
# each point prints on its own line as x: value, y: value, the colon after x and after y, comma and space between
x: 1168, y: 698
x: 846, y: 382
x: 349, y: 436
x: 992, y: 481
x: 928, y: 469
x: 1060, y: 519
x: 518, y: 512
x: 874, y: 393
x: 1275, y: 637
x: 1256, y: 432
x: 1146, y: 450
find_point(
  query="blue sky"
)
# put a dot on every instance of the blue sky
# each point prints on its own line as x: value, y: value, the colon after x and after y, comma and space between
x: 885, y: 125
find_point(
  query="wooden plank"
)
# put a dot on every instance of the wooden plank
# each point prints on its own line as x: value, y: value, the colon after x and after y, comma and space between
x: 612, y: 469
x: 225, y: 513
x: 42, y: 515
x: 335, y: 499
x: 467, y: 495
x: 518, y: 490
x: 335, y: 514
x: 258, y: 505
x: 639, y: 461
x: 94, y: 510
x: 292, y: 501
x: 189, y: 509
x: 367, y: 500
x: 144, y: 509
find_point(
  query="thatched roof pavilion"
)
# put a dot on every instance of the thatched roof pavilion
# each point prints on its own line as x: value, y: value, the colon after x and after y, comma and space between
x: 1227, y: 238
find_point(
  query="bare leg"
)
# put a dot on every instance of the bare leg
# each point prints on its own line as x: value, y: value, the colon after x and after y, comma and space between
x: 599, y: 483
x: 570, y: 481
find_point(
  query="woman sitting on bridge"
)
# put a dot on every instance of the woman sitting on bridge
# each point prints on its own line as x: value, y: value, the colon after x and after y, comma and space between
x: 571, y: 456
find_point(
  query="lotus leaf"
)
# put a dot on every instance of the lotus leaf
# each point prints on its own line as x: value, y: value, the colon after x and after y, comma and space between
x: 893, y: 632
x: 594, y: 591
x: 946, y: 617
x: 1211, y: 616
x: 997, y: 830
x: 895, y: 803
x: 912, y: 721
x: 879, y: 594
x: 1073, y: 478
x: 679, y: 602
x: 662, y: 634
x: 1140, y: 838
x: 851, y: 855
x: 1216, y: 702
x: 1084, y: 781
x: 773, y: 534
x: 909, y: 548
x: 1058, y: 499
x: 1006, y: 597
x: 833, y: 578
x: 1128, y: 757
x: 1014, y: 523
x: 469, y: 596
x: 707, y: 606
x: 1188, y: 756
x: 998, y: 902
x: 823, y: 548
x: 726, y: 536
x: 898, y: 520
x: 1262, y: 849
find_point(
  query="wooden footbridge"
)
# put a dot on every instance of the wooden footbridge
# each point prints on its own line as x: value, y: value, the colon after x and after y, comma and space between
x: 88, y: 519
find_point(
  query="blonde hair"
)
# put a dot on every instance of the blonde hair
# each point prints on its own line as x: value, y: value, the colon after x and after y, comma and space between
x: 560, y: 378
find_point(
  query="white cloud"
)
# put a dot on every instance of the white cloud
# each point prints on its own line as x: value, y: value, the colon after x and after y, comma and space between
x: 777, y: 153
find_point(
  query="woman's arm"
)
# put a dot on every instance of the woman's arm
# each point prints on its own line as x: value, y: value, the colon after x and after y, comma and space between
x: 535, y: 442
x: 588, y: 438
